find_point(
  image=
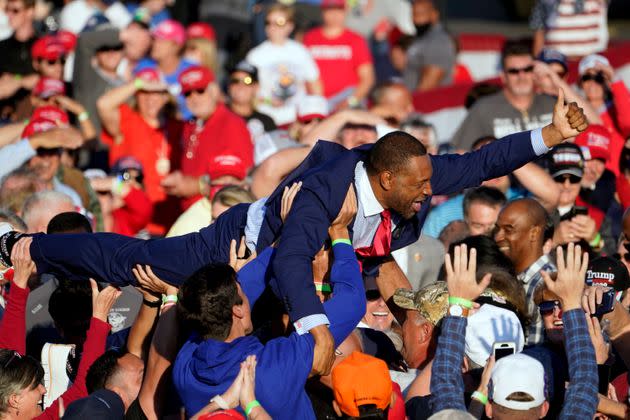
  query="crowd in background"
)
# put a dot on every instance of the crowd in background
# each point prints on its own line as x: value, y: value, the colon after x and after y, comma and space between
x: 116, y: 117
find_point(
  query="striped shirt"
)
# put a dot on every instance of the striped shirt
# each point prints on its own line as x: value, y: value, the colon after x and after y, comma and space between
x: 532, y: 278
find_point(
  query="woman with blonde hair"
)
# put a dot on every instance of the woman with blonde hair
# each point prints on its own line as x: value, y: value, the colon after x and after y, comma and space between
x: 201, y: 46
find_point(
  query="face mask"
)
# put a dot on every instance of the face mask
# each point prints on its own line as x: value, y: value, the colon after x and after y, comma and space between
x: 422, y: 29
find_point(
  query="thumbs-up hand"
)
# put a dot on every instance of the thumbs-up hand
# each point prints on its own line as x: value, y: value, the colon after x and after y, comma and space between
x: 568, y: 121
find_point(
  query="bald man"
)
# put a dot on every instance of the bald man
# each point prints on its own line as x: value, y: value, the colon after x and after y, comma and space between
x: 520, y: 235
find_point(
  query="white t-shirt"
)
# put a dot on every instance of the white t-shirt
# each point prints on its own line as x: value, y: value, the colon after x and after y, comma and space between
x: 283, y: 71
x: 75, y: 15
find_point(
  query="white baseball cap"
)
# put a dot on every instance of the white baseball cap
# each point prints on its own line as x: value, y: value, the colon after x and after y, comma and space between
x: 312, y: 106
x: 517, y: 373
x: 590, y: 61
x: 489, y: 325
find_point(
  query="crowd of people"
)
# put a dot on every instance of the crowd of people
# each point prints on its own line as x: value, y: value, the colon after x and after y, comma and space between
x: 245, y: 217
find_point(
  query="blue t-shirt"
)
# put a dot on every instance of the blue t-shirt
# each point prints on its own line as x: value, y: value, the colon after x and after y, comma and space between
x: 171, y: 80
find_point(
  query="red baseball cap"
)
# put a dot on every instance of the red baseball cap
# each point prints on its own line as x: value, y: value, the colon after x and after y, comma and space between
x: 51, y: 113
x: 201, y: 30
x: 227, y: 165
x: 170, y: 30
x: 333, y: 3
x: 67, y: 39
x: 595, y: 142
x: 149, y: 74
x: 38, y: 126
x: 223, y: 414
x: 195, y: 77
x: 48, y: 47
x: 47, y: 87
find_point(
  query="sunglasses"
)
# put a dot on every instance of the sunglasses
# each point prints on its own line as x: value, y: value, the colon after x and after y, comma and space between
x: 128, y: 176
x: 548, y: 306
x: 109, y: 48
x: 198, y: 91
x: 13, y: 10
x: 61, y: 61
x: 573, y: 179
x: 247, y: 80
x: 49, y: 152
x: 393, y: 121
x: 14, y: 356
x: 280, y: 22
x: 315, y: 120
x: 372, y: 295
x: 597, y: 77
x: 514, y: 70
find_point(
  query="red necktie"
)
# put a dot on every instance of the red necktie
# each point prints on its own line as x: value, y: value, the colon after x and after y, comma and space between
x: 381, y: 245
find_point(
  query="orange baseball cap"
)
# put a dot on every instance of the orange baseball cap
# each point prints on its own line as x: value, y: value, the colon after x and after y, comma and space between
x: 361, y: 380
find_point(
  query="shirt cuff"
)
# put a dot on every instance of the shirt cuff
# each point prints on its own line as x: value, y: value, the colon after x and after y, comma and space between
x: 538, y: 144
x: 304, y: 325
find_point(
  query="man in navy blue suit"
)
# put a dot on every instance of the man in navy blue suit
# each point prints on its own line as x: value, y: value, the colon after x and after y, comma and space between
x: 394, y: 180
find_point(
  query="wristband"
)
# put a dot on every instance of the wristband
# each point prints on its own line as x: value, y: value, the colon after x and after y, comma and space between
x: 595, y: 242
x: 152, y: 303
x: 464, y: 303
x: 84, y: 116
x: 251, y: 406
x: 480, y: 397
x: 17, y: 76
x: 322, y: 287
x: 218, y: 400
x: 169, y: 299
x: 117, y: 186
x: 342, y: 241
x: 165, y: 307
x: 138, y: 83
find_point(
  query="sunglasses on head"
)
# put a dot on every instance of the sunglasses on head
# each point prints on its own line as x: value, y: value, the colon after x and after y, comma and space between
x: 15, y: 356
x: 247, y: 80
x: 548, y: 306
x: 597, y: 77
x: 199, y: 91
x: 573, y: 179
x: 515, y: 70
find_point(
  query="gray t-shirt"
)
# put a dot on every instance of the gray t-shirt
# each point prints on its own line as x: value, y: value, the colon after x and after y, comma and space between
x: 494, y: 116
x: 435, y: 48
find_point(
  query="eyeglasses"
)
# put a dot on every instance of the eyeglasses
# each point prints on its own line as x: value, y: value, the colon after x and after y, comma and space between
x: 548, y: 306
x: 279, y: 22
x: 514, y: 70
x: 597, y: 77
x: 198, y: 91
x: 247, y: 80
x: 573, y: 179
x: 14, y: 356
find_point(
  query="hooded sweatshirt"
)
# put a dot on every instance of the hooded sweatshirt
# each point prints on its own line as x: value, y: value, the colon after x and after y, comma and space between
x: 205, y: 368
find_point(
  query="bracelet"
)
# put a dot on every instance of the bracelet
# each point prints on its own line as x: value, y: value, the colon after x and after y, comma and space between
x: 138, y: 83
x: 84, y: 116
x: 152, y: 303
x: 342, y: 241
x: 480, y: 397
x: 595, y: 242
x: 218, y: 400
x: 320, y: 286
x: 464, y: 303
x: 251, y: 406
x: 169, y: 299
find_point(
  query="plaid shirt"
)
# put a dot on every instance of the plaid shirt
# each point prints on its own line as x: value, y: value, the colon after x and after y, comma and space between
x: 580, y: 401
x: 531, y: 278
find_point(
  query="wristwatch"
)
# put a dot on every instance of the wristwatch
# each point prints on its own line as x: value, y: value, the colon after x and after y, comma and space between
x: 458, y: 310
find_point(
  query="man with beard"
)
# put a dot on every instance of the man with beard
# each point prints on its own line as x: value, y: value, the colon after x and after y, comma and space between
x: 394, y: 181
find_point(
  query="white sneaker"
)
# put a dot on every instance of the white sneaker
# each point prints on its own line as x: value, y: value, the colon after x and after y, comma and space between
x: 56, y: 380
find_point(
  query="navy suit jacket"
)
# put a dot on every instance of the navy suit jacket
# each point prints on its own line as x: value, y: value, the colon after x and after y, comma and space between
x: 326, y: 174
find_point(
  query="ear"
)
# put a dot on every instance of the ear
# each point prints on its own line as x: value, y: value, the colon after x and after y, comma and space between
x: 535, y: 232
x: 14, y: 401
x: 386, y: 180
x: 466, y: 365
x: 489, y: 410
x: 544, y: 408
x: 426, y: 330
x: 502, y: 76
x: 237, y: 311
x: 337, y: 409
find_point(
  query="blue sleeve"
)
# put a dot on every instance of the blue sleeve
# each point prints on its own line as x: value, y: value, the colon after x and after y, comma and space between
x: 303, y: 235
x: 447, y: 384
x: 14, y: 155
x: 580, y: 400
x: 347, y: 306
x: 253, y: 277
x: 453, y: 173
x: 110, y: 257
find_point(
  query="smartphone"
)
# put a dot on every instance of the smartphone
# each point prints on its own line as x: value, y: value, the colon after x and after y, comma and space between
x: 608, y: 303
x: 501, y: 349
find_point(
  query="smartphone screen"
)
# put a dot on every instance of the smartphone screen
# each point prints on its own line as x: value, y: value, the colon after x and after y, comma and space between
x: 502, y: 352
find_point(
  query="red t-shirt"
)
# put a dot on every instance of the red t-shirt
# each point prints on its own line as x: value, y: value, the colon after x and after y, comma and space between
x: 338, y: 58
x: 222, y: 146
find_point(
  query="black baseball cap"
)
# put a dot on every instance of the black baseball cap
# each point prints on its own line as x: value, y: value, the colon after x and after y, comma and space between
x: 608, y: 272
x: 248, y: 68
x: 566, y: 158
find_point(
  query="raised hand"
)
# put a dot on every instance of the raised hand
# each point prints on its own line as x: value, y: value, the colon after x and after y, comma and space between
x: 103, y: 301
x: 461, y: 275
x: 150, y: 283
x: 569, y: 283
x: 288, y: 195
x: 23, y: 265
x: 237, y: 259
x: 568, y: 119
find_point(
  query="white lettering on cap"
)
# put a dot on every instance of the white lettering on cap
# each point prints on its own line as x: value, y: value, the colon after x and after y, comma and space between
x: 592, y: 275
x: 192, y: 77
x: 567, y: 158
x: 227, y: 160
x: 598, y: 140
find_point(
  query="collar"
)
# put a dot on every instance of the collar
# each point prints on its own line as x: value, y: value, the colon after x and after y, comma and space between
x: 367, y: 199
x: 534, y: 269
